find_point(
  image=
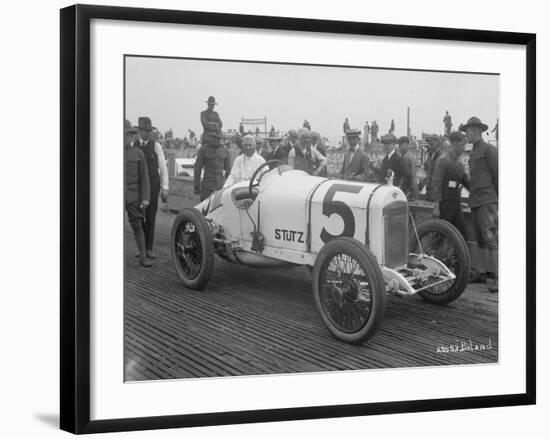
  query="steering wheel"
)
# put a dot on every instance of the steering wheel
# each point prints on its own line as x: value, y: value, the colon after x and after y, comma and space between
x: 252, y: 185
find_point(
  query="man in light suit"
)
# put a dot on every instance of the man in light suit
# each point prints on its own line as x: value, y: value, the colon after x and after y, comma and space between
x: 356, y: 165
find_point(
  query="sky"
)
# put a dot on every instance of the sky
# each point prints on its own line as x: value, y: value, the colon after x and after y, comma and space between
x: 172, y: 92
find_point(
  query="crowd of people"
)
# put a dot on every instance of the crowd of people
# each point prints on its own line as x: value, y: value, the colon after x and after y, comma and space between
x: 303, y: 149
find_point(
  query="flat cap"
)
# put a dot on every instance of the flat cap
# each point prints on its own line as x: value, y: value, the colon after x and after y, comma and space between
x: 352, y: 132
x: 292, y: 132
x: 304, y: 132
x: 315, y: 135
x: 403, y: 139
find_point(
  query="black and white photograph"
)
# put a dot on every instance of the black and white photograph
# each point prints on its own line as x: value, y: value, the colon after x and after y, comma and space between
x: 284, y: 218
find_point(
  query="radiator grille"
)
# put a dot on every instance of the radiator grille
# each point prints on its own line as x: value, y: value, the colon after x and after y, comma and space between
x: 396, y: 234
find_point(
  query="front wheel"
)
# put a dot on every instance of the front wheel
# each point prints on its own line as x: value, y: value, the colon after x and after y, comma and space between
x: 349, y: 290
x: 441, y: 240
x: 192, y: 248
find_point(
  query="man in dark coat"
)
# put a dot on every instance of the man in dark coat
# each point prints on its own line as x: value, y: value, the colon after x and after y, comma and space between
x: 136, y: 190
x: 409, y: 184
x: 214, y: 159
x: 434, y: 151
x: 447, y: 182
x: 356, y: 164
x: 346, y: 125
x: 275, y: 151
x: 391, y: 161
x: 158, y: 178
x: 448, y: 123
x: 484, y: 200
x: 210, y: 119
x: 374, y: 131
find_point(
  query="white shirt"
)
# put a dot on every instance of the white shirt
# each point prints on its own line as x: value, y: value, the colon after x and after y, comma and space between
x: 163, y: 170
x: 243, y: 168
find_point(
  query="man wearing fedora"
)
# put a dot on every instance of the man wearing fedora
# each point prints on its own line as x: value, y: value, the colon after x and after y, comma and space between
x: 273, y: 143
x: 215, y: 160
x: 484, y: 201
x: 136, y: 189
x: 210, y: 119
x: 158, y: 178
x: 356, y: 164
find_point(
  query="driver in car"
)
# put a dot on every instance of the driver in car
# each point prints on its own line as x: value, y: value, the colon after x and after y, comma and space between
x: 246, y: 163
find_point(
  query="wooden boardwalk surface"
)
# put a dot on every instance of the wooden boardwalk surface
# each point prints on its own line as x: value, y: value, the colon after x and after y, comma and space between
x: 251, y: 321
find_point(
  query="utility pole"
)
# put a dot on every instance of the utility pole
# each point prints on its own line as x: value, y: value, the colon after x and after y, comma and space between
x: 409, y: 122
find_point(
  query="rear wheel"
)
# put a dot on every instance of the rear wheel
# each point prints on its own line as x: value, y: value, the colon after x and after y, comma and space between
x: 192, y: 248
x: 349, y: 290
x: 441, y: 240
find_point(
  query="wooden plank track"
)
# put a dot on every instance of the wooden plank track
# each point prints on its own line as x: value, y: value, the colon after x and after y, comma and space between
x: 251, y: 321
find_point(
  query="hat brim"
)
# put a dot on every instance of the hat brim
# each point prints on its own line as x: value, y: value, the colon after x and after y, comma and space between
x: 208, y: 102
x: 468, y: 125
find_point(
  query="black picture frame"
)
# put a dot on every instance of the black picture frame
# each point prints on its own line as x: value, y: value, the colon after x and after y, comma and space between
x: 75, y: 216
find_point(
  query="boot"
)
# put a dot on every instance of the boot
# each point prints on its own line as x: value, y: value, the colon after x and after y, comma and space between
x: 140, y: 241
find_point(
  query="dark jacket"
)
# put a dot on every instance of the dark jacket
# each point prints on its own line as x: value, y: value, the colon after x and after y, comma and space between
x: 393, y: 163
x: 136, y: 177
x: 210, y: 116
x: 483, y: 174
x: 151, y: 160
x: 279, y: 153
x: 216, y: 163
x: 409, y: 185
x: 429, y: 167
x: 358, y: 169
x: 448, y: 178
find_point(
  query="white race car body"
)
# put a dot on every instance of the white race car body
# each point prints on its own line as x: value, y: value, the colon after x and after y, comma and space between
x: 297, y: 214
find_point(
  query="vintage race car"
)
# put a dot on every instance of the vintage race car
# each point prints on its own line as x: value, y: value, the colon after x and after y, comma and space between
x: 353, y: 235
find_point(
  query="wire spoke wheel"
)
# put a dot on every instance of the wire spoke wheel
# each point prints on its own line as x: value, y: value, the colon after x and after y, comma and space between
x: 192, y: 248
x: 188, y: 249
x: 349, y: 290
x: 345, y: 292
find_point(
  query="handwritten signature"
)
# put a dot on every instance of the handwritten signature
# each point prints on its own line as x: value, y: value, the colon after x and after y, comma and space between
x: 464, y: 346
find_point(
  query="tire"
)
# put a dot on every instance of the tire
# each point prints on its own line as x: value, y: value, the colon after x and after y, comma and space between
x: 338, y: 302
x: 192, y: 250
x: 433, y: 235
